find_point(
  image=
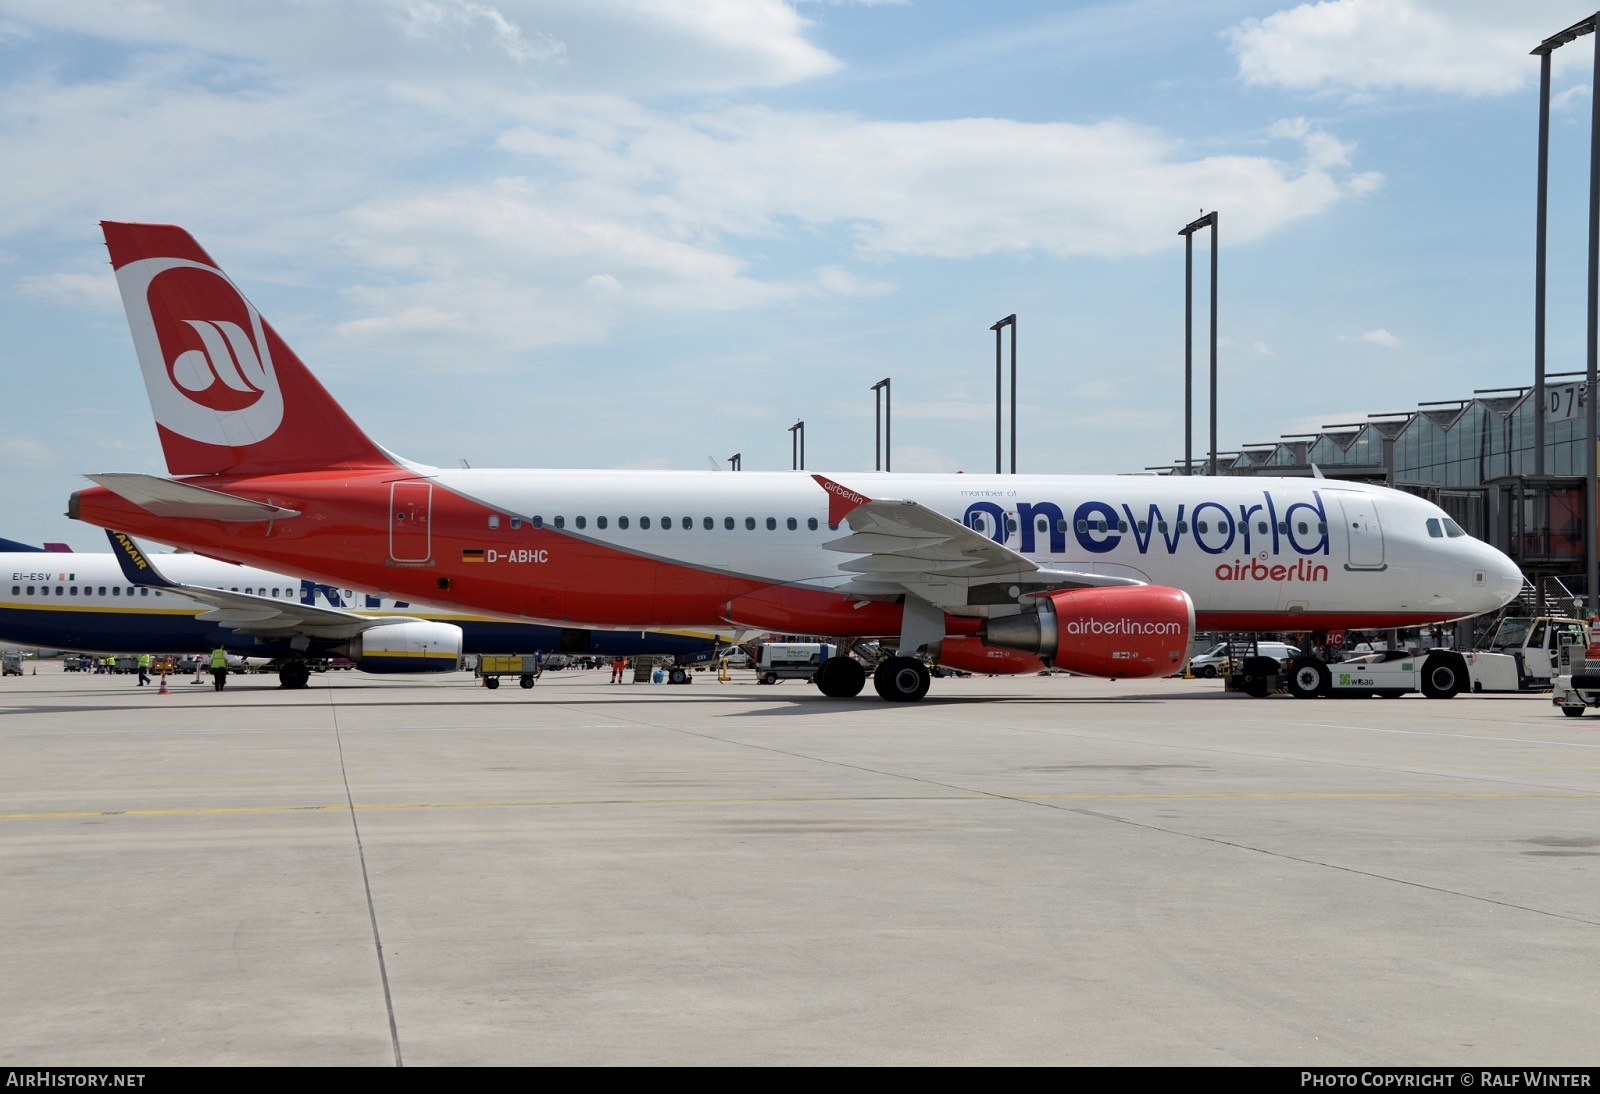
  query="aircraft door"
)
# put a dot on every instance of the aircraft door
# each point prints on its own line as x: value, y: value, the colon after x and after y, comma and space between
x: 410, y: 515
x: 1363, y: 532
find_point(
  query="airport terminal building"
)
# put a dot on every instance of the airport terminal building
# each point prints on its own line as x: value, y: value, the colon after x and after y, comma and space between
x: 1474, y: 458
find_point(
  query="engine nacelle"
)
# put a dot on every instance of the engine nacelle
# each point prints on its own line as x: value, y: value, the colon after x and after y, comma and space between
x: 970, y: 655
x: 1122, y: 631
x: 407, y: 647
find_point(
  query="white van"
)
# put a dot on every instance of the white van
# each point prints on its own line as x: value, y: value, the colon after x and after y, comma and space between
x: 1216, y: 660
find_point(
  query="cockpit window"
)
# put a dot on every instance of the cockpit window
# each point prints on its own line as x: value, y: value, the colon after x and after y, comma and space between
x: 1433, y: 528
x: 1452, y: 529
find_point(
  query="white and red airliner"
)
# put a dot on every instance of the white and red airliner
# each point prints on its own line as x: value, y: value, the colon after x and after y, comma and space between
x: 1103, y: 575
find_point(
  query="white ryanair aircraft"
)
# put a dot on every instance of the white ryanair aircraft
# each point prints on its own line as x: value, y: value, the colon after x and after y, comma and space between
x: 1103, y: 575
x: 110, y: 603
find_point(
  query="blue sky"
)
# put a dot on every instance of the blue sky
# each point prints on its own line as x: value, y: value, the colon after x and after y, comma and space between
x: 639, y: 233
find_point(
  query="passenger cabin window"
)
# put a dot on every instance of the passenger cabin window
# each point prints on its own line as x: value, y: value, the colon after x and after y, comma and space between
x: 644, y: 522
x: 727, y: 522
x: 688, y: 523
x: 581, y: 522
x: 561, y: 522
x: 772, y: 524
x: 666, y: 524
x: 811, y: 523
x: 749, y: 524
x: 600, y: 522
x: 793, y: 524
x: 516, y: 523
x: 538, y: 522
x: 622, y: 522
x: 708, y: 524
x: 494, y: 521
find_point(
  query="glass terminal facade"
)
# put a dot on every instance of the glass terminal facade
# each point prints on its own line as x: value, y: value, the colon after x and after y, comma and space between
x: 1472, y: 457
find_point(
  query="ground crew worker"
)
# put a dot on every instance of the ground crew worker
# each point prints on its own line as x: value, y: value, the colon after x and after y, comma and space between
x: 219, y: 668
x: 144, y: 669
x: 617, y: 665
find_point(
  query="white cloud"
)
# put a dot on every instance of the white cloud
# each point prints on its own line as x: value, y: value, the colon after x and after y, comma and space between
x: 1461, y: 47
x: 1580, y: 95
x: 1379, y: 337
x: 626, y: 46
x: 26, y: 452
x: 88, y: 291
x: 952, y: 188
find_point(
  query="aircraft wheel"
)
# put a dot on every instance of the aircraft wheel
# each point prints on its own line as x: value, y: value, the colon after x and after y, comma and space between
x: 1443, y: 676
x: 841, y: 678
x: 901, y: 680
x: 1573, y: 712
x: 1309, y: 678
x: 677, y: 676
x: 294, y: 674
x: 491, y: 682
x: 525, y: 682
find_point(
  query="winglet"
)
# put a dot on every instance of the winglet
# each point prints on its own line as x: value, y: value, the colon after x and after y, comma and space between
x: 136, y: 566
x: 842, y: 501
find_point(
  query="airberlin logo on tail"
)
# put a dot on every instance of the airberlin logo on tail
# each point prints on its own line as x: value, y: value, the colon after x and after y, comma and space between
x: 203, y: 350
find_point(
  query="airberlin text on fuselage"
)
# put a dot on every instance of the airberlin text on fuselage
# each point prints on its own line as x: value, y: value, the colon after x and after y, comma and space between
x: 1255, y: 530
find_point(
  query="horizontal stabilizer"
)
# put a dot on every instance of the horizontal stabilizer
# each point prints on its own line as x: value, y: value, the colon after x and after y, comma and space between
x: 167, y: 498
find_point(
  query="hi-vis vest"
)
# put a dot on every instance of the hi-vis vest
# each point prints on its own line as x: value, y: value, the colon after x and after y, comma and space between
x: 219, y: 659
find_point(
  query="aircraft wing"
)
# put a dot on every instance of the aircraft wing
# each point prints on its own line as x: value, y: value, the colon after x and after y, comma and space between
x: 902, y: 546
x: 246, y: 613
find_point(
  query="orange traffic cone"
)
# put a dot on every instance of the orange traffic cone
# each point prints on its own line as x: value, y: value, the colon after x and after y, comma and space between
x: 163, y: 690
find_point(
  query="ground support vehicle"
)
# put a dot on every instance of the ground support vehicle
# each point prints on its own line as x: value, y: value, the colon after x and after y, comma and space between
x: 524, y: 666
x: 12, y: 663
x: 776, y: 661
x: 1521, y: 655
x: 1576, y: 686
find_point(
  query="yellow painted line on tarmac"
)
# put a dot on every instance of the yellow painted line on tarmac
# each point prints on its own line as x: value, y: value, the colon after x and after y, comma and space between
x: 572, y: 802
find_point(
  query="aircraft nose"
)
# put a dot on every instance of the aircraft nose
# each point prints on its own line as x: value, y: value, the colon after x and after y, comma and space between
x: 1502, y: 580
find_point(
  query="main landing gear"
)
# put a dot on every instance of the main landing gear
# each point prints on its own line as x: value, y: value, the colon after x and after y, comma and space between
x: 294, y: 674
x: 901, y: 679
x: 840, y: 678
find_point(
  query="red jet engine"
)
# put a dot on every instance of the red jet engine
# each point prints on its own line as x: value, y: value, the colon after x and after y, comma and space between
x: 1128, y: 631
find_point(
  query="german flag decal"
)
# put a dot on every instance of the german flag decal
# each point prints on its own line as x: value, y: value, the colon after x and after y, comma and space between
x: 472, y: 554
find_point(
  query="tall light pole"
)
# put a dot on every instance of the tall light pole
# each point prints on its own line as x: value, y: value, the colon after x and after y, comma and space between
x: 1008, y: 321
x: 733, y: 461
x: 1591, y: 490
x: 881, y: 435
x: 1207, y: 221
x: 797, y: 445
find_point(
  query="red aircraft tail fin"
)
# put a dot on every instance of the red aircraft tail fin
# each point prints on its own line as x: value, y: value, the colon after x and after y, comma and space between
x: 228, y: 394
